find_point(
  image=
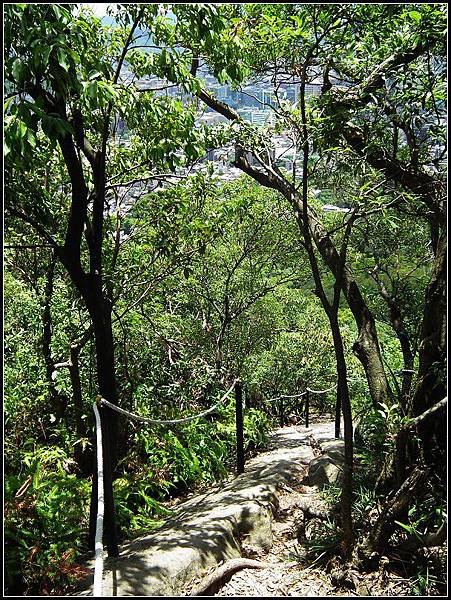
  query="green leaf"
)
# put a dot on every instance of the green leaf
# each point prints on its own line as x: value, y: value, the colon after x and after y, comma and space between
x: 20, y: 70
x: 91, y: 89
x: 408, y: 528
x: 54, y: 126
x: 95, y: 75
x: 62, y: 59
x: 31, y: 138
x: 45, y: 53
x: 7, y: 103
x: 21, y: 129
x: 415, y: 15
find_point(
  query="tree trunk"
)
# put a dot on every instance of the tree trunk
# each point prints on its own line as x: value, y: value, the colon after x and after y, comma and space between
x: 82, y: 454
x: 331, y: 310
x: 431, y: 386
x: 400, y: 457
x: 239, y: 427
x: 397, y: 323
x: 337, y: 414
x: 225, y: 323
x: 58, y: 401
x: 100, y: 312
x: 247, y: 399
x: 343, y: 395
x: 77, y: 397
x: 408, y: 361
x: 366, y: 347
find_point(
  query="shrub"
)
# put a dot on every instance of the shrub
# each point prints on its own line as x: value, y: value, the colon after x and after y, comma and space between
x: 167, y: 461
x: 46, y: 516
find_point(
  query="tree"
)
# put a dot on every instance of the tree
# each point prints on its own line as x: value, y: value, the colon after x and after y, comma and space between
x: 395, y: 120
x: 295, y: 44
x: 66, y: 89
x: 72, y: 84
x: 368, y: 106
x: 279, y: 61
x: 254, y: 255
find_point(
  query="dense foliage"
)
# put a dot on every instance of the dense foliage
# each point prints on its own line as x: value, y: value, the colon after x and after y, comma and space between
x: 133, y: 271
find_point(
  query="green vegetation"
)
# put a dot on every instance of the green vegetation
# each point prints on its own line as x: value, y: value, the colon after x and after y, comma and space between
x: 133, y: 271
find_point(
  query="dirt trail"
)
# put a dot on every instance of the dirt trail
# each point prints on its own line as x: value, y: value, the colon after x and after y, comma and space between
x: 207, y: 529
x: 297, y: 581
x: 309, y: 577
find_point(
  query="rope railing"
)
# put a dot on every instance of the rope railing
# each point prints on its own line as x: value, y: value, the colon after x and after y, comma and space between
x: 286, y: 396
x: 301, y: 394
x: 98, y: 562
x: 350, y: 380
x: 102, y: 402
x: 322, y: 391
x: 99, y: 559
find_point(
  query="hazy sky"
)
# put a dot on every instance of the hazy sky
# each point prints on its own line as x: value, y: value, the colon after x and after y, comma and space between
x: 99, y: 8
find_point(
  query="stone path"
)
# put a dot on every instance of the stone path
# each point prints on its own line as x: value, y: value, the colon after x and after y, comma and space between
x: 231, y: 519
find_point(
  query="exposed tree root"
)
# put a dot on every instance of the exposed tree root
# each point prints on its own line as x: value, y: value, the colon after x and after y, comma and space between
x: 213, y: 582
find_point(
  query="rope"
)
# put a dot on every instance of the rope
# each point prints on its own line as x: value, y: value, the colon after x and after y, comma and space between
x: 130, y: 415
x: 284, y: 396
x: 350, y: 380
x: 98, y: 563
x: 302, y: 394
x: 322, y: 391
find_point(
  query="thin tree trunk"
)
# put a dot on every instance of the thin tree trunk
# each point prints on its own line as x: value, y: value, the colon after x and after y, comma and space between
x: 372, y: 547
x: 331, y: 309
x: 366, y: 347
x: 225, y: 323
x: 397, y: 323
x: 58, y: 401
x: 100, y: 312
x: 337, y: 414
x: 343, y: 394
x: 82, y: 455
x: 77, y: 397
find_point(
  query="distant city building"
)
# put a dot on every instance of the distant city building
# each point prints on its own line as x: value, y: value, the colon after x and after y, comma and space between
x: 259, y: 117
x: 253, y: 102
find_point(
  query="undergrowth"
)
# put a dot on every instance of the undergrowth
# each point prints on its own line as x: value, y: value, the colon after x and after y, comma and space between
x: 47, y: 504
x: 422, y: 569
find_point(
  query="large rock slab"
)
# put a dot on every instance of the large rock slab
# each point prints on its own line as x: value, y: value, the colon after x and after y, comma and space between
x: 324, y: 471
x: 327, y: 468
x: 208, y: 529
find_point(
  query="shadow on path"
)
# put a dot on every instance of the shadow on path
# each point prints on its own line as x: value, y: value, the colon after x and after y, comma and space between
x: 206, y: 529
